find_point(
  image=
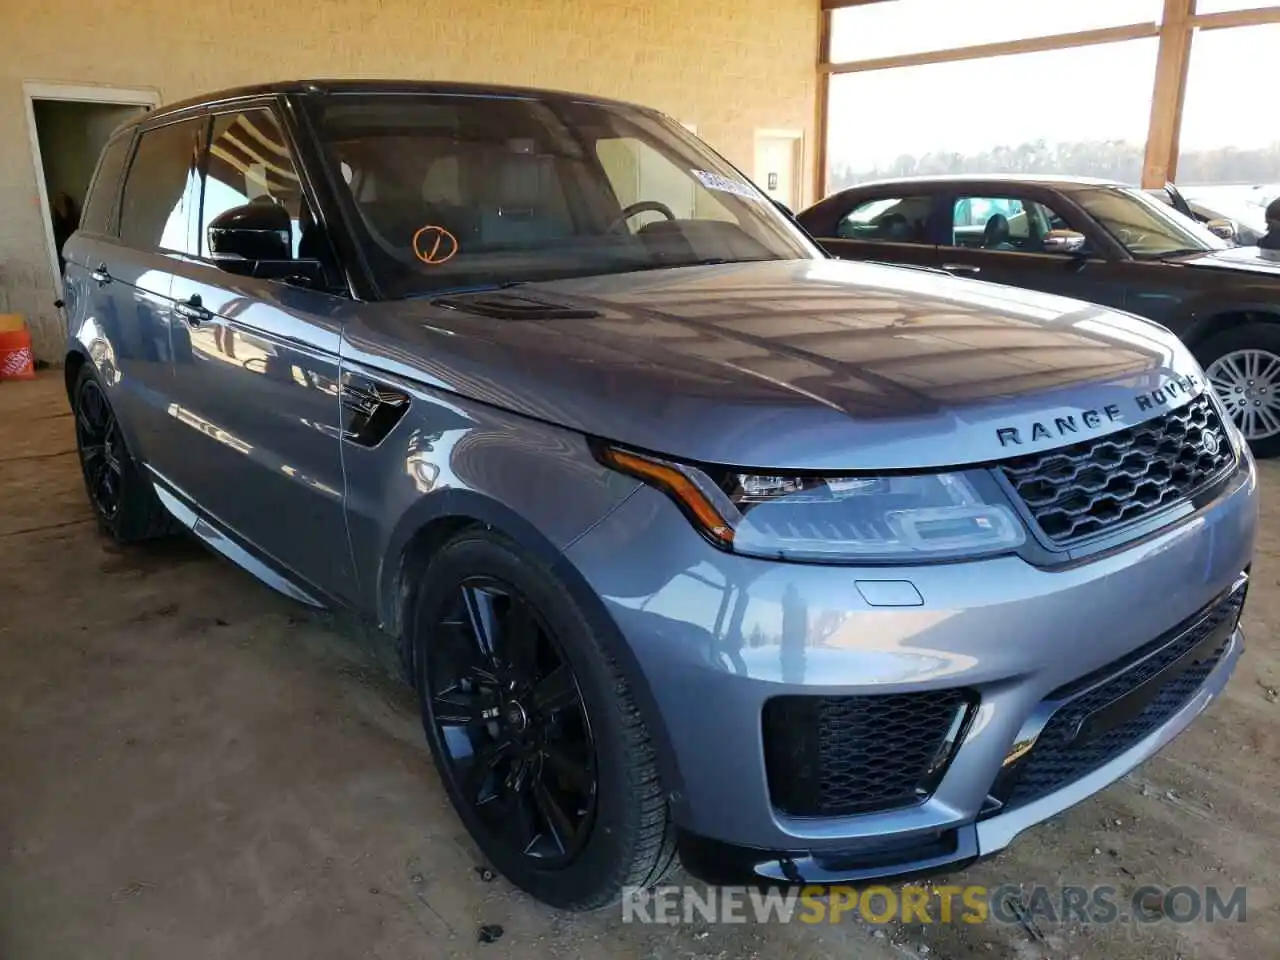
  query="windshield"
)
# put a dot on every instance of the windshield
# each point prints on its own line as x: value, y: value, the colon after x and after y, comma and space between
x: 447, y: 191
x: 1147, y: 228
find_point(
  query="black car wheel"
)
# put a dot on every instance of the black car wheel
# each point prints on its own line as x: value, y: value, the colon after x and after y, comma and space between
x: 533, y: 730
x: 122, y: 498
x: 1243, y: 366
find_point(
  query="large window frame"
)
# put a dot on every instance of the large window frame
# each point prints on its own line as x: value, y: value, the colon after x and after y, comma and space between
x: 1175, y: 31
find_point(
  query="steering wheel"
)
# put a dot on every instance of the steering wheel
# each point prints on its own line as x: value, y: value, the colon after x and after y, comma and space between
x: 641, y: 206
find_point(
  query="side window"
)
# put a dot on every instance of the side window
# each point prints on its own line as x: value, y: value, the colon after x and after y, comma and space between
x: 249, y: 162
x: 161, y: 188
x: 100, y: 207
x: 888, y: 219
x: 1008, y: 224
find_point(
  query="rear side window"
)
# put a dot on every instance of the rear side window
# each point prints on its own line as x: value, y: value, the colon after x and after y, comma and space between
x: 100, y: 208
x: 888, y: 219
x: 162, y: 188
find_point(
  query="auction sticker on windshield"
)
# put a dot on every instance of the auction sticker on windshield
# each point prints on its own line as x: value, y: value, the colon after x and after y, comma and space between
x: 716, y: 181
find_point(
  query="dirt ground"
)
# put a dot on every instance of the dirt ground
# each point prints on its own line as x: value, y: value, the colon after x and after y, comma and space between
x: 192, y: 766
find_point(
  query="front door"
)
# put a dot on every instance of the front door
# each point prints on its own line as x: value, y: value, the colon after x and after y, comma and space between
x: 1000, y: 239
x: 256, y: 419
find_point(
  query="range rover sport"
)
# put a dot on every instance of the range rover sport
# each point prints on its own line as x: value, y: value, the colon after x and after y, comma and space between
x: 692, y: 539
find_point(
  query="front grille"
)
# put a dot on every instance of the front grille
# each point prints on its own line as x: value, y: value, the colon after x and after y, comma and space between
x: 1061, y: 755
x: 1097, y: 485
x: 833, y: 756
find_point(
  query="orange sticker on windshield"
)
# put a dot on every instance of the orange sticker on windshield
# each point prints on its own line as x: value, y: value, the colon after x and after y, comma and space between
x: 434, y: 245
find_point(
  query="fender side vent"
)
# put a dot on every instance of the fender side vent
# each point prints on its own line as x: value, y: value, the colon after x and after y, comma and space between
x: 371, y: 411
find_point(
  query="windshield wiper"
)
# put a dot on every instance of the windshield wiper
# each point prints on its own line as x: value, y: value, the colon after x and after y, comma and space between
x: 463, y: 290
x: 1180, y: 252
x: 706, y: 262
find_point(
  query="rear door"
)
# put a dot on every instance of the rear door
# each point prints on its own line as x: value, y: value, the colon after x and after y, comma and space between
x: 895, y: 226
x: 996, y: 234
x: 256, y: 429
x: 91, y: 311
x: 130, y: 274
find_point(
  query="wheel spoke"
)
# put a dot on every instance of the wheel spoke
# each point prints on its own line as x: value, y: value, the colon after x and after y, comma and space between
x: 82, y: 421
x: 573, y: 774
x: 459, y: 708
x: 93, y: 452
x: 556, y: 691
x: 519, y: 641
x: 1268, y: 417
x: 558, y: 822
x: 482, y: 618
x: 482, y: 767
x: 519, y: 821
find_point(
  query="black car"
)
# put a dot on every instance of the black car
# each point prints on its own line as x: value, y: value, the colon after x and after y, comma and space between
x: 1093, y: 240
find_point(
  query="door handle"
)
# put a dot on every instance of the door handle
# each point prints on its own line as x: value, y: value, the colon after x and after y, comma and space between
x: 961, y: 268
x: 101, y: 276
x: 192, y: 310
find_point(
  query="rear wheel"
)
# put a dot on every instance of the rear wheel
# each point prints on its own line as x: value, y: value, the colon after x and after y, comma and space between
x: 121, y: 496
x: 534, y: 731
x: 1243, y: 366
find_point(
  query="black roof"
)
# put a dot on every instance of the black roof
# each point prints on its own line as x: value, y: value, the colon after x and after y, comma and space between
x: 1044, y: 179
x: 388, y: 86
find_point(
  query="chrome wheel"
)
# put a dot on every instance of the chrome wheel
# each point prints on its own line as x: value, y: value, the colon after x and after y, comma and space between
x: 511, y: 723
x: 1248, y: 383
x: 101, y: 449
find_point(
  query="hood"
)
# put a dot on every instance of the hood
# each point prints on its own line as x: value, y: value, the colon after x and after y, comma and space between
x: 1265, y: 263
x: 803, y: 364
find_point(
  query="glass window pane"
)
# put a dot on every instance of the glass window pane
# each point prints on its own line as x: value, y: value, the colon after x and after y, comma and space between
x: 1003, y: 223
x: 1081, y: 111
x: 249, y: 162
x: 1223, y: 6
x: 100, y: 208
x: 1229, y: 151
x: 161, y: 188
x: 891, y: 219
x: 915, y: 26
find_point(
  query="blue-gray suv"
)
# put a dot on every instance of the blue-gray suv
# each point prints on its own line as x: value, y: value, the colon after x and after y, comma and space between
x: 692, y: 539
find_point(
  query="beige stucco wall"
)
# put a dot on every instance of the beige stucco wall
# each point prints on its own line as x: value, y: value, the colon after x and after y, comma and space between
x: 728, y: 66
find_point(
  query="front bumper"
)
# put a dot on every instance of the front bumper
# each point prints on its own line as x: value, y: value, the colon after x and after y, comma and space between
x: 714, y: 637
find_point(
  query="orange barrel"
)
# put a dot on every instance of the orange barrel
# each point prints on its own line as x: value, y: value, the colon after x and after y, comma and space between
x: 16, y: 359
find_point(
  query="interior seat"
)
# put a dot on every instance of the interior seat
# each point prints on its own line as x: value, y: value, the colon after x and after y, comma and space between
x: 995, y: 236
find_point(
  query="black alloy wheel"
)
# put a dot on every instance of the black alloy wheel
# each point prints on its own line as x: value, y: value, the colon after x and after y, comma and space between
x: 119, y: 490
x: 102, y: 451
x: 511, y: 722
x: 534, y: 730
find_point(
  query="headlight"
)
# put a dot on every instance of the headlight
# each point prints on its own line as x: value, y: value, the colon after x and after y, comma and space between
x: 932, y: 516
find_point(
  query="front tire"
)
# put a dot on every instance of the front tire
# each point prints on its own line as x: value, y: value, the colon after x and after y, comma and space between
x: 122, y: 497
x: 533, y: 729
x: 1243, y: 367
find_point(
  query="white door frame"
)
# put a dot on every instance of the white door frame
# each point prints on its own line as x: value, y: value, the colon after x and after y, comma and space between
x: 33, y: 90
x: 800, y: 173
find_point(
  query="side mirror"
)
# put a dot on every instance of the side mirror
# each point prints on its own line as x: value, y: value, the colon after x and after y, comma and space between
x: 242, y: 236
x: 1063, y: 241
x: 1226, y: 229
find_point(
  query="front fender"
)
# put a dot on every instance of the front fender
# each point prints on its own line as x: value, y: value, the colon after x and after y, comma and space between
x: 1207, y: 315
x: 452, y: 462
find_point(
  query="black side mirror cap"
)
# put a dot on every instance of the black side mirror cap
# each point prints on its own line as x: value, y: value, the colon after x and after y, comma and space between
x: 259, y: 230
